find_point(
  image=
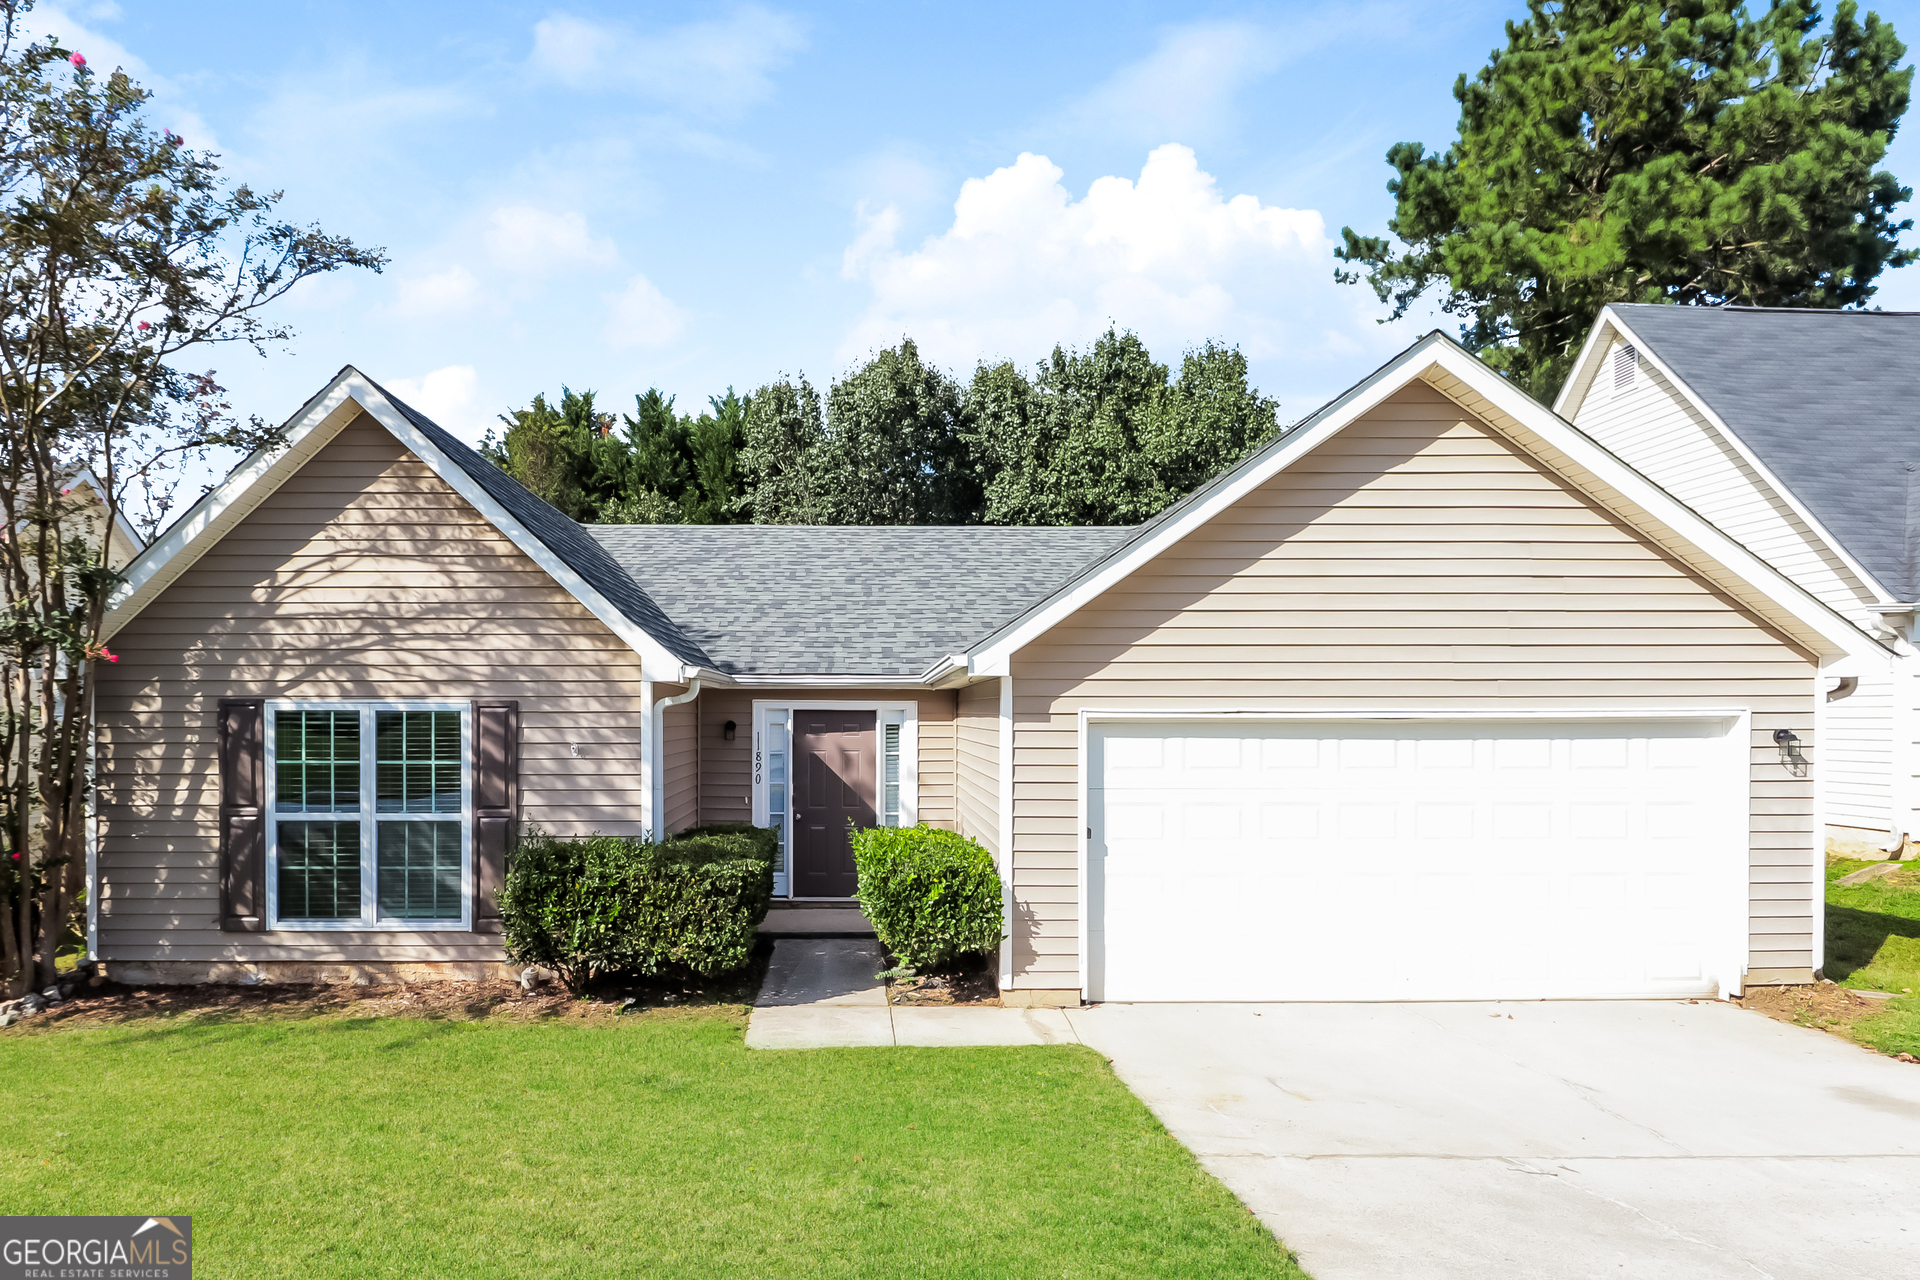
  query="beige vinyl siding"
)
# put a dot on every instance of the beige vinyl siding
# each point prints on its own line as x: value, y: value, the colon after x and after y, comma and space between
x: 726, y: 768
x: 1653, y: 427
x: 365, y: 576
x: 680, y: 763
x: 1417, y: 560
x: 977, y: 757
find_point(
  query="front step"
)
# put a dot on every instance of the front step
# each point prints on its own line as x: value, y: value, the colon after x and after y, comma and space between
x: 815, y: 920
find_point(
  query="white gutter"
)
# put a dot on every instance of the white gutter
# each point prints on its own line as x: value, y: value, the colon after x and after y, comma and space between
x: 657, y: 758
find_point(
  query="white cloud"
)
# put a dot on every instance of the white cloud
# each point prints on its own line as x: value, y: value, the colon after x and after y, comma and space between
x: 537, y: 242
x: 454, y: 290
x: 1185, y: 88
x: 715, y: 67
x: 448, y: 397
x: 1024, y: 265
x: 641, y: 316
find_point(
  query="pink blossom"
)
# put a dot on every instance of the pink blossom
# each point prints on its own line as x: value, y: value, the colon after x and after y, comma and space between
x: 65, y: 492
x: 143, y: 326
x: 110, y: 657
x: 76, y: 60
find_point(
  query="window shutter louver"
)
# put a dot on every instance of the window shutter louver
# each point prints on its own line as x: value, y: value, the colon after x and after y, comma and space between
x: 496, y: 803
x: 1626, y: 363
x: 243, y: 823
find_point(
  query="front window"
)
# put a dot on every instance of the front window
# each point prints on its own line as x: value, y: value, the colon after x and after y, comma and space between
x: 371, y: 815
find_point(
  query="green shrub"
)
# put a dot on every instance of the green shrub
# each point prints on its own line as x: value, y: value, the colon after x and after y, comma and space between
x: 764, y: 840
x: 600, y: 904
x: 932, y: 895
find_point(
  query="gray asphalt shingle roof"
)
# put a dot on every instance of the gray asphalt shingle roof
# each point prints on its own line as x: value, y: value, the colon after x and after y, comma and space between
x: 1829, y: 401
x: 887, y: 601
x: 560, y: 535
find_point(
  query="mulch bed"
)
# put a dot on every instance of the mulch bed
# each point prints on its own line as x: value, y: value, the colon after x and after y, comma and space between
x: 1822, y: 1006
x: 610, y: 997
x: 972, y: 984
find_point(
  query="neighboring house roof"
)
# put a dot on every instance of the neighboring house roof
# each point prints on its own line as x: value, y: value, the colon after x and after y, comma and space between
x: 812, y: 600
x: 1460, y: 375
x: 1828, y: 401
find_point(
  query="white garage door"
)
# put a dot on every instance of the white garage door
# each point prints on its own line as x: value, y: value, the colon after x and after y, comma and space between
x: 1410, y: 860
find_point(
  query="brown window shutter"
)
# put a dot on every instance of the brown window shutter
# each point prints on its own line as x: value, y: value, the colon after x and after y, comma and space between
x: 496, y: 804
x: 243, y: 825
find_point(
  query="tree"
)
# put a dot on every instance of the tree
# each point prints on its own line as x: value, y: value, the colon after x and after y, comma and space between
x: 124, y: 257
x: 1628, y: 152
x: 894, y: 448
x: 714, y: 443
x: 1101, y: 437
x: 556, y: 452
x: 780, y: 459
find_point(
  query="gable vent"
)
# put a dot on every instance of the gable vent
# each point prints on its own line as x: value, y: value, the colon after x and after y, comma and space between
x: 1625, y: 361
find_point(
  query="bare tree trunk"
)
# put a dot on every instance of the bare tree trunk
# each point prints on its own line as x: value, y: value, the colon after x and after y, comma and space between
x: 23, y: 847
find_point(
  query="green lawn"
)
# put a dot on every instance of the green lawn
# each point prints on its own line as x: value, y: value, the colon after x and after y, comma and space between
x: 1873, y: 944
x: 653, y: 1145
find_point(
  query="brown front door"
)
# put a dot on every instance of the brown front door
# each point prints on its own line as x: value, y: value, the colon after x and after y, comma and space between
x: 833, y: 785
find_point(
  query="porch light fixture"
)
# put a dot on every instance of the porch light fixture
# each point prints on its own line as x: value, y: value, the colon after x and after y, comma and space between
x: 1790, y: 757
x: 727, y: 730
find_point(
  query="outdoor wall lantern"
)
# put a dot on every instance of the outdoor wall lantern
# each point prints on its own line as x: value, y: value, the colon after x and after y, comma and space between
x: 1790, y: 757
x: 726, y: 730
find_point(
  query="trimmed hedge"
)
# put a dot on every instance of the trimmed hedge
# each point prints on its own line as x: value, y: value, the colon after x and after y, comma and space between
x: 601, y: 904
x: 932, y: 895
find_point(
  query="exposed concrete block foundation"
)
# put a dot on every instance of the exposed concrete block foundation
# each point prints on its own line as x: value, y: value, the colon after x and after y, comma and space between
x: 1023, y: 998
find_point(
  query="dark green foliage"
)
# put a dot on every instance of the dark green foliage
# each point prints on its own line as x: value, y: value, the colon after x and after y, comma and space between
x: 932, y: 895
x: 781, y: 456
x: 664, y: 468
x: 1102, y: 437
x: 602, y: 904
x: 1626, y: 152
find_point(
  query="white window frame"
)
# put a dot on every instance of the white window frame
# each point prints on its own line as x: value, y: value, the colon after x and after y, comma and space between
x: 369, y: 920
x: 909, y: 713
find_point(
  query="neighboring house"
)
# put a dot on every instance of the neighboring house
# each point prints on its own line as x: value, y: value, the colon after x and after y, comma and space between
x: 1430, y: 698
x: 1797, y: 433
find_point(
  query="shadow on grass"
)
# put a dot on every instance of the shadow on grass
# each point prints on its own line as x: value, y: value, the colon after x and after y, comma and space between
x: 1855, y: 937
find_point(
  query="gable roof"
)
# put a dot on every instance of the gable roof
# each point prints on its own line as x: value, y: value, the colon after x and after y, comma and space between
x: 888, y: 601
x: 1537, y: 430
x: 1828, y: 403
x: 554, y: 542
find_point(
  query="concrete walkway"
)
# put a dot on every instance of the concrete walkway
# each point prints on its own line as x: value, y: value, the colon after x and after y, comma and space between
x: 820, y: 993
x: 1539, y: 1141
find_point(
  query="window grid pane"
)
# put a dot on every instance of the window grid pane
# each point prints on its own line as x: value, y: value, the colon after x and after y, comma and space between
x: 417, y: 761
x: 316, y: 761
x: 319, y: 870
x: 419, y: 870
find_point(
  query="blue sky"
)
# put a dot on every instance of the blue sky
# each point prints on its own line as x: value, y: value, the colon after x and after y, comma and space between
x: 696, y: 196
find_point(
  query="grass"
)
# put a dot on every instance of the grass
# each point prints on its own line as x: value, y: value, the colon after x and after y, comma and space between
x: 1873, y: 944
x: 656, y: 1145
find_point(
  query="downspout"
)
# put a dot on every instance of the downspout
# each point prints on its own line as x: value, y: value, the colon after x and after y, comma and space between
x: 648, y: 742
x: 657, y: 786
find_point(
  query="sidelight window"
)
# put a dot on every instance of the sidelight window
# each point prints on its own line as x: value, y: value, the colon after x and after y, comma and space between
x: 372, y: 815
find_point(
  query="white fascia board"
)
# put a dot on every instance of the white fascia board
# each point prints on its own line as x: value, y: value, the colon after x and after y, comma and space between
x: 1590, y: 352
x: 1845, y: 639
x: 227, y: 503
x: 1733, y: 441
x: 1841, y: 636
x: 319, y: 421
x: 1363, y: 396
x: 654, y: 656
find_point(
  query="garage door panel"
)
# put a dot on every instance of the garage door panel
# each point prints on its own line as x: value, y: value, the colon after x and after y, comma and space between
x: 1442, y: 860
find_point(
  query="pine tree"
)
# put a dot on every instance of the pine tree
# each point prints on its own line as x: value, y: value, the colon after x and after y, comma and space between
x: 1627, y: 152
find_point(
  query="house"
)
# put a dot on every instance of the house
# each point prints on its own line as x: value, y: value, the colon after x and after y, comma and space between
x: 1795, y: 433
x: 1433, y: 697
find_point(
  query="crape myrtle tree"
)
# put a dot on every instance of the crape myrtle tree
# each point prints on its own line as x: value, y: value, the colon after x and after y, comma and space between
x: 125, y: 256
x: 1696, y: 153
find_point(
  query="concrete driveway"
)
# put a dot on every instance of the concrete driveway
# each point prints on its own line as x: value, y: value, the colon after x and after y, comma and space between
x: 1537, y: 1141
